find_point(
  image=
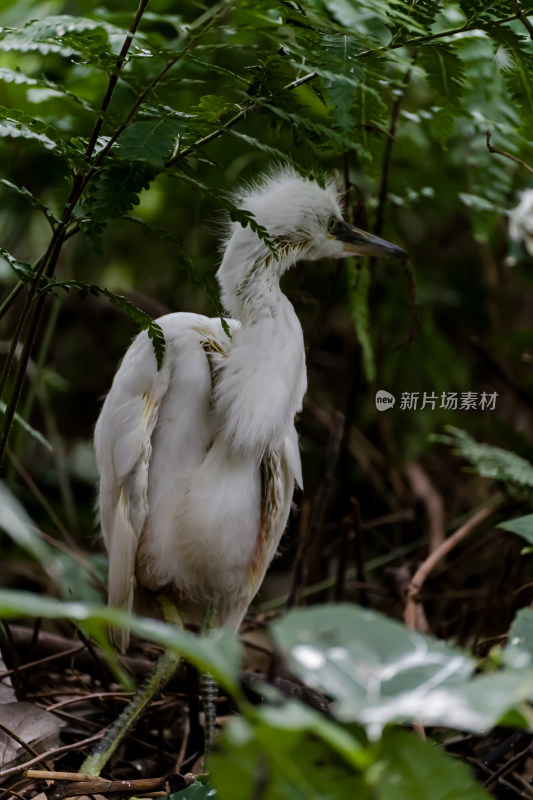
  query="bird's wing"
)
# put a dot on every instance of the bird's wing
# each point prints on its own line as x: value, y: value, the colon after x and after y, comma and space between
x: 123, y: 443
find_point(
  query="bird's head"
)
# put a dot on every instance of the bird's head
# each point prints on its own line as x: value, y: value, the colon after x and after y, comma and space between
x: 304, y: 221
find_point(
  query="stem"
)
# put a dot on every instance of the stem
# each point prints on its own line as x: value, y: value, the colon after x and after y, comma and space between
x: 414, y: 614
x: 233, y: 121
x: 497, y: 152
x: 385, y: 168
x: 113, y: 79
x: 519, y: 14
x: 47, y: 263
x: 212, y: 16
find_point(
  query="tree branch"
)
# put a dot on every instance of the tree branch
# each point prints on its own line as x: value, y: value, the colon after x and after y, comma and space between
x: 414, y: 613
x: 522, y: 17
x: 497, y: 152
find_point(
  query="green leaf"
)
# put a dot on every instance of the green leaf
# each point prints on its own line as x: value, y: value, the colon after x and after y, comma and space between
x: 12, y: 129
x: 32, y: 200
x: 17, y: 77
x: 22, y: 269
x: 142, y: 319
x: 320, y: 137
x: 376, y: 669
x: 35, y: 434
x: 16, y: 522
x: 444, y: 70
x: 247, y: 219
x: 257, y: 144
x: 522, y: 526
x: 217, y: 69
x: 113, y: 192
x: 444, y: 120
x: 150, y: 140
x: 67, y: 36
x: 196, y: 791
x: 217, y: 653
x: 15, y: 124
x: 481, y: 11
x: 489, y: 461
x: 410, y: 769
x: 518, y: 652
x: 276, y: 761
x: 423, y: 11
x: 518, y: 69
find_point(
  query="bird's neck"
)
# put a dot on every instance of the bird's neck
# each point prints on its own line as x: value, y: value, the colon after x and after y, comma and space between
x: 263, y: 380
x: 253, y: 293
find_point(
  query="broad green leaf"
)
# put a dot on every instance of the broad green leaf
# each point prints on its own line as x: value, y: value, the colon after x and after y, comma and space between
x: 218, y: 653
x: 410, y: 769
x: 35, y: 434
x: 196, y: 791
x: 378, y: 672
x: 281, y: 763
x: 376, y: 669
x: 518, y: 652
x: 522, y: 526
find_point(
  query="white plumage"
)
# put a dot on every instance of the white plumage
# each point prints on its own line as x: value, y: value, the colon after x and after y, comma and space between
x: 198, y: 460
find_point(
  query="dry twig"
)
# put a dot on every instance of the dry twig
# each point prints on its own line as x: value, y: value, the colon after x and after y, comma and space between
x: 414, y: 613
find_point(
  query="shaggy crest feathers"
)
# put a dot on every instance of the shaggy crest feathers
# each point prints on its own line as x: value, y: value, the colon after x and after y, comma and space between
x: 279, y: 199
x: 296, y: 212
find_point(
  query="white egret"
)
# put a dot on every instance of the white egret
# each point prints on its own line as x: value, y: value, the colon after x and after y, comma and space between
x: 198, y: 461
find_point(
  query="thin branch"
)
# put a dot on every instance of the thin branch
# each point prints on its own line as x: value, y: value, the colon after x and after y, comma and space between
x: 16, y: 738
x: 50, y: 754
x: 391, y: 138
x: 244, y: 112
x: 212, y: 17
x: 497, y: 152
x: 47, y: 263
x: 414, y: 614
x: 113, y: 79
x: 522, y: 17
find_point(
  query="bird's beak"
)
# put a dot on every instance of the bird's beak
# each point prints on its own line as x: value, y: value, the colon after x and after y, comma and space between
x: 362, y: 243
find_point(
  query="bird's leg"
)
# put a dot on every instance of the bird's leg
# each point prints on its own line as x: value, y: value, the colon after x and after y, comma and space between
x: 165, y: 667
x: 208, y: 686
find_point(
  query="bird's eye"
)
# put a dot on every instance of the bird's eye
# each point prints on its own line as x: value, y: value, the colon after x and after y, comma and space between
x: 332, y: 224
